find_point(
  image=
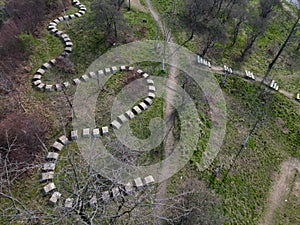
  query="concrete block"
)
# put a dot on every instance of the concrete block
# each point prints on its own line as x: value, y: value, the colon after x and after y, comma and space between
x: 151, y: 88
x: 72, y: 16
x: 298, y: 96
x: 130, y: 68
x: 115, y: 192
x: 114, y: 69
x: 54, y: 30
x: 82, y: 12
x: 69, y: 203
x: 150, y: 82
x: 148, y: 101
x: 128, y: 188
x: 148, y: 180
x: 107, y: 71
x: 96, y: 133
x: 59, y: 33
x: 47, y: 176
x: 76, y: 81
x: 40, y: 71
x: 41, y: 86
x: 138, y: 183
x: 55, y: 197
x: 129, y: 114
x: 86, y: 133
x: 37, y: 82
x: 52, y: 61
x: 143, y: 106
x: 100, y: 73
x: 48, y: 88
x: 74, y: 135
x: 37, y: 77
x: 92, y: 75
x: 140, y: 72
x: 104, y: 131
x: 60, y: 18
x: 48, y: 188
x: 52, y: 24
x: 58, y: 87
x: 68, y: 44
x: 122, y: 119
x: 123, y: 68
x: 84, y: 77
x: 115, y: 124
x: 145, y: 75
x: 63, y: 139
x: 56, y: 21
x: 68, y: 49
x: 93, y: 201
x: 52, y: 156
x: 49, y: 166
x: 77, y: 14
x: 66, y: 84
x: 105, y: 196
x: 57, y: 146
x: 64, y: 36
x: 136, y: 110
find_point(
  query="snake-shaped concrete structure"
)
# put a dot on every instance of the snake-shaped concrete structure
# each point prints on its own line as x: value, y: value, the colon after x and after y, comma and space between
x: 52, y: 156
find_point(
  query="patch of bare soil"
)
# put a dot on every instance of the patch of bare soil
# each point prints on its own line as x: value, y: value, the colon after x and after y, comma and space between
x: 280, y: 189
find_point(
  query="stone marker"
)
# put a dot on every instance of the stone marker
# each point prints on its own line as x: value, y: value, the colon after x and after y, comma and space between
x: 49, y: 187
x: 138, y: 183
x: 96, y: 133
x: 55, y: 197
x: 115, y: 124
x: 104, y: 131
x: 86, y: 132
x: 49, y: 167
x: 74, y: 135
x: 148, y: 180
x: 52, y: 156
x: 58, y: 146
x: 47, y: 176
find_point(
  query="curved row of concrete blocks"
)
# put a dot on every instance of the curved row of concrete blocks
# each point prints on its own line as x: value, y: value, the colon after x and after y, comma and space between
x: 52, y: 27
x: 49, y: 167
x: 123, y: 118
x: 105, y: 196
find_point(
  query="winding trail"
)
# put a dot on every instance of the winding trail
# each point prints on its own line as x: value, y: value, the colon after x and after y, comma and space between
x: 280, y: 189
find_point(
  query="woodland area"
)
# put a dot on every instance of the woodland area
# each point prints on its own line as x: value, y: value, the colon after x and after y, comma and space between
x: 262, y: 35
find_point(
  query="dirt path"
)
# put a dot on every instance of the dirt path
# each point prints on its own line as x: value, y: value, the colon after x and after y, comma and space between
x: 138, y: 5
x: 280, y: 189
x: 169, y: 141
